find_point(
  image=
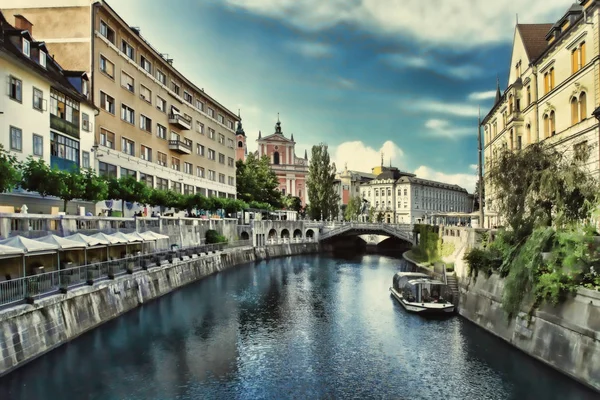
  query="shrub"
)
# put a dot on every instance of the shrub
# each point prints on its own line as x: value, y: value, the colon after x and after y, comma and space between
x: 213, y: 236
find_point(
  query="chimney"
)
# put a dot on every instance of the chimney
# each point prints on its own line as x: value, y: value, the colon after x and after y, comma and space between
x: 23, y: 24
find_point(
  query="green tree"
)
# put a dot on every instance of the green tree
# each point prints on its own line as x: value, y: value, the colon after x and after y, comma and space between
x: 320, y: 184
x: 256, y: 181
x: 352, y: 211
x: 9, y: 172
x: 68, y: 186
x: 95, y: 188
x: 128, y: 189
x: 293, y: 203
x: 36, y: 176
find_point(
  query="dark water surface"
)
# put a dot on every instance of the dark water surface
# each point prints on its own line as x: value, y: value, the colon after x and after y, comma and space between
x: 298, y: 327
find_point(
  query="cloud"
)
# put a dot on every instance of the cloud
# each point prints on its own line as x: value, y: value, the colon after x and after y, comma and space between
x: 459, y: 23
x: 311, y: 49
x: 442, y: 127
x: 482, y: 95
x: 474, y: 167
x: 466, y: 181
x: 403, y: 61
x: 360, y: 157
x: 435, y: 106
x: 346, y: 83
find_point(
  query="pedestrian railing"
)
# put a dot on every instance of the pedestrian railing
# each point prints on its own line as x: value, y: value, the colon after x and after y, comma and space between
x: 29, y: 288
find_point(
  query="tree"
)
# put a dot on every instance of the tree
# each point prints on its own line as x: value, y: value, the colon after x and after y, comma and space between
x: 293, y: 203
x: 95, y: 188
x: 9, y: 172
x: 127, y: 189
x: 68, y: 186
x: 352, y: 212
x: 36, y: 176
x: 320, y: 184
x: 256, y: 181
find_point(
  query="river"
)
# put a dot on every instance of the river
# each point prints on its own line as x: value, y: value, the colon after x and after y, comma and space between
x: 297, y: 327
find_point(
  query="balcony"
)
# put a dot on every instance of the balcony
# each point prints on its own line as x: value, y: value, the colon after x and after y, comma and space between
x: 180, y: 122
x: 63, y: 164
x: 180, y: 147
x: 64, y: 126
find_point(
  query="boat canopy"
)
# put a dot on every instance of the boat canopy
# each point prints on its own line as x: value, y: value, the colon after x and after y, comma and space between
x: 402, y: 278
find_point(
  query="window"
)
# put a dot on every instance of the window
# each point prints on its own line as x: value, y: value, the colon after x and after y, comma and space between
x: 64, y: 148
x: 26, y: 47
x: 85, y: 122
x: 162, y: 184
x: 230, y: 124
x: 145, y: 124
x: 200, y: 149
x: 222, y: 158
x: 221, y: 178
x: 582, y: 55
x: 581, y: 151
x: 175, y: 87
x: 161, y: 104
x: 107, y: 67
x: 211, y: 112
x: 221, y: 138
x: 211, y: 154
x: 188, y: 168
x: 43, y: 58
x: 107, y: 138
x: 199, y: 105
x: 188, y: 97
x: 127, y: 114
x: 64, y: 107
x: 211, y: 133
x: 85, y: 159
x: 145, y: 153
x: 175, y: 164
x: 15, y: 89
x: 127, y: 82
x: 231, y: 181
x: 200, y: 172
x: 230, y: 162
x: 221, y: 119
x: 276, y: 160
x: 552, y: 123
x: 574, y: 111
x: 128, y: 172
x: 551, y: 78
x: 176, y: 186
x: 188, y: 189
x: 519, y: 142
x: 107, y: 103
x: 107, y: 170
x: 127, y: 49
x: 162, y: 78
x: 200, y: 127
x: 575, y: 61
x: 107, y: 32
x: 175, y: 136
x: 38, y: 145
x: 161, y: 131
x: 211, y: 175
x: 406, y: 192
x: 161, y: 159
x: 189, y: 143
x: 146, y: 64
x: 128, y: 146
x: 146, y: 94
x: 528, y: 95
x: 582, y: 106
x: 230, y: 143
x: 147, y: 179
x: 38, y: 99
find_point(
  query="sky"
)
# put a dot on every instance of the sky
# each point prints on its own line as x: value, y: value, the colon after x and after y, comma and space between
x: 405, y: 78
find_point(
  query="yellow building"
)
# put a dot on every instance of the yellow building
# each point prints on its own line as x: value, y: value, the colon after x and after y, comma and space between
x: 552, y: 92
x: 154, y: 123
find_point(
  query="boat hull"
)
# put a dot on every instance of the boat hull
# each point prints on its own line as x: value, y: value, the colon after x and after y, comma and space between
x: 423, y: 308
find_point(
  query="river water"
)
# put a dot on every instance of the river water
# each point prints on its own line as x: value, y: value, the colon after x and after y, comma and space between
x: 298, y: 327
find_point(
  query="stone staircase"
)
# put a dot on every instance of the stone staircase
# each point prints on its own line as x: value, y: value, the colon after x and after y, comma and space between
x: 453, y: 285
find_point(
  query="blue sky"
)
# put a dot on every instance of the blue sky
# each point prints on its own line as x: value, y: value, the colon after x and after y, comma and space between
x: 404, y: 77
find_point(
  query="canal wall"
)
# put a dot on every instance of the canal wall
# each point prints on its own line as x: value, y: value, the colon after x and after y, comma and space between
x: 28, y: 331
x: 565, y: 337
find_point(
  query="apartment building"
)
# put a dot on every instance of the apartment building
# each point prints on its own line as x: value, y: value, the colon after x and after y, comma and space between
x: 45, y: 112
x: 552, y: 92
x: 154, y: 123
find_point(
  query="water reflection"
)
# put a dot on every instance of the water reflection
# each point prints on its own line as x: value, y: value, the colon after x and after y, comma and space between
x: 303, y: 327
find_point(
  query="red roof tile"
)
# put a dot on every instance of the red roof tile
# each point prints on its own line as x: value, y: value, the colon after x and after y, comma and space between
x: 534, y: 38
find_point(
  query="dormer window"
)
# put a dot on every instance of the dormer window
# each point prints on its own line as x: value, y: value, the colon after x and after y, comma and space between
x: 26, y: 47
x: 43, y: 58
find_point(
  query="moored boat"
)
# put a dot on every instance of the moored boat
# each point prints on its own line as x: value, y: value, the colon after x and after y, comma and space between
x: 419, y: 293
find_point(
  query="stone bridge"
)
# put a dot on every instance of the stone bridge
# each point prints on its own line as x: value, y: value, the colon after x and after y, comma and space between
x: 399, y: 231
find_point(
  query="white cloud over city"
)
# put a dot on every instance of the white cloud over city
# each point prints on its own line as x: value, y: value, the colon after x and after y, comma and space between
x: 441, y: 107
x: 466, y: 181
x: 462, y: 72
x: 361, y: 157
x: 444, y: 128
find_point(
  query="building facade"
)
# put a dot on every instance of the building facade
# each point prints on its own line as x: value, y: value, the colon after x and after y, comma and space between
x: 402, y: 197
x: 552, y: 92
x: 348, y: 183
x: 291, y: 171
x: 45, y: 112
x: 154, y: 123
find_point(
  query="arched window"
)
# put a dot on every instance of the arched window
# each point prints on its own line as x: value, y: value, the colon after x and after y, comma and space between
x: 546, y: 126
x: 510, y: 103
x: 582, y: 106
x: 276, y: 158
x: 552, y: 123
x: 528, y: 137
x: 574, y: 111
x: 240, y: 144
x: 512, y: 139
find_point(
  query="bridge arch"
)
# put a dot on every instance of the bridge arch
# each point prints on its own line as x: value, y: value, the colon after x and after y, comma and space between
x: 244, y: 236
x: 310, y: 234
x: 285, y: 234
x: 297, y: 234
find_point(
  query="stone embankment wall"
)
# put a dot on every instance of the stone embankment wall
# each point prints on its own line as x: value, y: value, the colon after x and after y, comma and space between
x: 28, y: 331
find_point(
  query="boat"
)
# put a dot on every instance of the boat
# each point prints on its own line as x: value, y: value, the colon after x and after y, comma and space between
x: 419, y: 293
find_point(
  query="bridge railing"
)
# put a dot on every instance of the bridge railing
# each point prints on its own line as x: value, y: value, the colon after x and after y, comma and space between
x: 402, y: 230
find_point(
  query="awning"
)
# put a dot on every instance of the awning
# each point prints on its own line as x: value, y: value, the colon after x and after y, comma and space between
x: 109, y: 238
x: 88, y: 240
x: 28, y: 245
x: 7, y: 251
x: 136, y: 237
x: 149, y: 235
x: 125, y: 238
x: 61, y: 242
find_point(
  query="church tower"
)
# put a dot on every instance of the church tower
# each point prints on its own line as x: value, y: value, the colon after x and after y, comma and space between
x: 240, y: 137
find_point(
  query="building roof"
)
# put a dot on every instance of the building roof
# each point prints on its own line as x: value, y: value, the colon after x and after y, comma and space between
x: 534, y: 38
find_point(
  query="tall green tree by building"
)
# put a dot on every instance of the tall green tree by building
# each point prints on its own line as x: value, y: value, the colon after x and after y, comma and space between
x: 257, y: 182
x: 320, y: 183
x: 9, y: 173
x: 352, y: 212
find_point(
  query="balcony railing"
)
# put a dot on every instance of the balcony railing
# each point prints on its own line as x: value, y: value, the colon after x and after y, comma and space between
x: 180, y: 147
x: 63, y: 164
x: 180, y: 121
x: 64, y: 126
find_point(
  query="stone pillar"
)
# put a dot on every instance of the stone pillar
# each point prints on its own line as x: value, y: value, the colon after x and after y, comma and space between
x: 293, y: 181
